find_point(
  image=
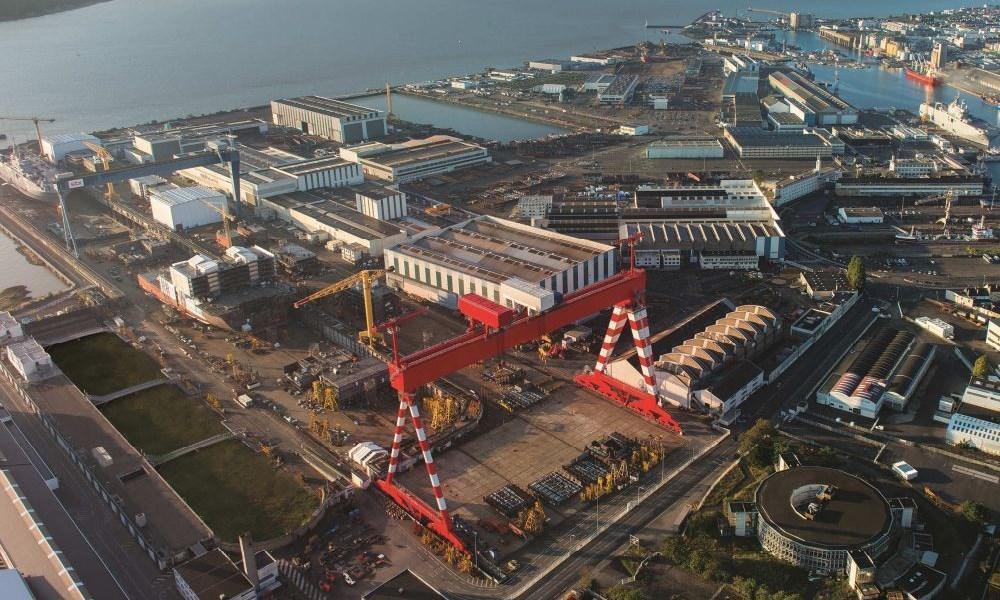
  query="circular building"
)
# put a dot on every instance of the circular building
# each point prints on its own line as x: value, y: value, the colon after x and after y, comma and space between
x: 814, y: 516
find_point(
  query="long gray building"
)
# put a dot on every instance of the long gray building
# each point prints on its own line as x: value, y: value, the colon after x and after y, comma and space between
x: 333, y: 119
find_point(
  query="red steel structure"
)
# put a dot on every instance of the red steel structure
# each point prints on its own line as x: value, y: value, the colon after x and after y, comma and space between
x: 624, y: 291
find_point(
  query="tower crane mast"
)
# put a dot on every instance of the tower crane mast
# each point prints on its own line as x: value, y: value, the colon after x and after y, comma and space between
x: 36, y: 121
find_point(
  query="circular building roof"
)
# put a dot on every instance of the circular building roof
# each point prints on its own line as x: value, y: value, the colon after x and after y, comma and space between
x: 849, y: 516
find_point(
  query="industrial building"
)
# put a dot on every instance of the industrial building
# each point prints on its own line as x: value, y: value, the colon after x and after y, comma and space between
x: 380, y: 202
x: 186, y: 207
x: 977, y: 419
x: 56, y: 147
x: 910, y: 168
x: 907, y: 378
x: 415, y: 159
x: 909, y: 186
x: 30, y: 360
x: 686, y: 147
x: 823, y: 285
x: 165, y: 144
x: 992, y: 334
x: 332, y: 119
x: 938, y: 327
x: 512, y: 264
x: 620, y: 91
x: 699, y: 363
x: 817, y: 106
x: 810, y: 143
x: 213, y: 575
x: 820, y: 518
x: 794, y: 187
x: 860, y: 388
x: 860, y: 215
x: 270, y: 171
x: 598, y: 82
x: 412, y: 585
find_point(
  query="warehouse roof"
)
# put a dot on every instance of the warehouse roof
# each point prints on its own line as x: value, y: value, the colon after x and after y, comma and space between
x: 686, y: 142
x: 755, y: 136
x: 905, y: 377
x: 183, y: 195
x: 862, y: 211
x: 700, y: 234
x: 734, y: 379
x: 314, y: 165
x: 68, y: 138
x: 406, y: 584
x: 213, y: 575
x: 418, y: 151
x: 815, y: 98
x: 338, y: 216
x: 855, y: 516
x: 328, y: 106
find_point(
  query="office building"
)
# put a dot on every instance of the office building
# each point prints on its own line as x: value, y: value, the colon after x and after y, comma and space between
x: 509, y: 263
x: 332, y: 119
x: 794, y: 187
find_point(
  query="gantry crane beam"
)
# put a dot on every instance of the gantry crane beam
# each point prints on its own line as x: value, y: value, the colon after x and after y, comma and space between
x: 479, y: 343
x: 36, y: 121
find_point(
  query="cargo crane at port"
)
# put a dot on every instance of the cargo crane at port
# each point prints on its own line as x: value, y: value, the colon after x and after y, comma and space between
x: 494, y: 329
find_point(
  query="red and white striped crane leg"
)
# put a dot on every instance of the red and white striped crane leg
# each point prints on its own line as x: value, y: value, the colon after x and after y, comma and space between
x: 639, y: 321
x: 397, y: 438
x: 618, y: 317
x: 425, y: 449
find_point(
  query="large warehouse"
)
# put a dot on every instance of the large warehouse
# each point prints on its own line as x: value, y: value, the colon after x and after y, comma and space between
x: 333, y: 119
x: 186, y: 207
x: 512, y: 264
x: 812, y: 103
x: 415, y: 159
x: 809, y: 143
x: 695, y: 146
x: 700, y: 362
x: 860, y: 388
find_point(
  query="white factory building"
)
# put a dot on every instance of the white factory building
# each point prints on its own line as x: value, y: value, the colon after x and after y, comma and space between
x: 732, y: 228
x: 686, y: 147
x: 333, y: 119
x: 788, y: 190
x: 938, y: 327
x: 186, y: 207
x: 10, y: 327
x: 380, y: 202
x: 860, y: 215
x: 270, y: 171
x: 30, y: 360
x: 706, y: 361
x: 512, y: 264
x: 415, y: 159
x: 977, y: 419
x: 56, y: 147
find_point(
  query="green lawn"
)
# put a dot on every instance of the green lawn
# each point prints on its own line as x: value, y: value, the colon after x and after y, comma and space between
x: 161, y: 419
x: 103, y: 363
x: 235, y: 490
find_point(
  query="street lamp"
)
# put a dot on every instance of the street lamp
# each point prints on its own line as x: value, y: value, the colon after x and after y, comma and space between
x: 475, y: 535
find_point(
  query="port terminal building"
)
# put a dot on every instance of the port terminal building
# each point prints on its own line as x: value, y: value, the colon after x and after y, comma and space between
x: 332, y: 119
x: 515, y: 265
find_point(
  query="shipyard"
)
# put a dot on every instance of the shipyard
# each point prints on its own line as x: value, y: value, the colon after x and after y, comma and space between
x: 692, y: 316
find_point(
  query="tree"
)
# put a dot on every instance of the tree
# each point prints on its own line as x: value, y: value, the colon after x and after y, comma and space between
x: 974, y: 511
x: 856, y: 275
x: 981, y: 367
x: 757, y: 444
x: 620, y: 592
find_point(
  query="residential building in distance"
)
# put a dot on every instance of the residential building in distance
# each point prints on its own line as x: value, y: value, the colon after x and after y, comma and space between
x: 333, y: 119
x: 415, y: 159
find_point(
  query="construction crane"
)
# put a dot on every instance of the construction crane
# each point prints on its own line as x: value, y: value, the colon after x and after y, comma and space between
x: 366, y: 279
x: 494, y: 329
x: 764, y: 11
x: 36, y: 121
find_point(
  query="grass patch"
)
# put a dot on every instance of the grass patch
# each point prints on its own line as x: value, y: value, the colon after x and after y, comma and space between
x: 726, y: 487
x: 235, y: 490
x: 161, y: 419
x: 103, y: 363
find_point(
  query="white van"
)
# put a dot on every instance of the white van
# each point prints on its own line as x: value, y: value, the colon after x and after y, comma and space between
x: 904, y: 471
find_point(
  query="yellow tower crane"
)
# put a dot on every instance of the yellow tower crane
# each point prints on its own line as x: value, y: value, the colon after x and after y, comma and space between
x: 366, y: 279
x: 106, y: 158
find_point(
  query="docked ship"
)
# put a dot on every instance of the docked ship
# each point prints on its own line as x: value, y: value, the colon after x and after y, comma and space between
x: 954, y: 118
x: 922, y: 76
x: 30, y: 175
x: 980, y: 234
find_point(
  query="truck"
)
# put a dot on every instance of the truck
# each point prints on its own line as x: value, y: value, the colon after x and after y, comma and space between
x: 904, y: 471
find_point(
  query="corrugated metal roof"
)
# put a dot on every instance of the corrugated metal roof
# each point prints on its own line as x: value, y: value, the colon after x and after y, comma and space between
x: 183, y: 195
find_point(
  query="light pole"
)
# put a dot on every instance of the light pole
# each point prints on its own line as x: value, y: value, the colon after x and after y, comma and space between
x: 598, y: 513
x: 475, y: 535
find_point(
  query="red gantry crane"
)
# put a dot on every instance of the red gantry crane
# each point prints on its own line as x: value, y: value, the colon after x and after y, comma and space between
x: 494, y: 329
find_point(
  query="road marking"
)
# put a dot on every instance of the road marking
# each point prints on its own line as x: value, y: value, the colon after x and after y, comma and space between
x: 994, y: 479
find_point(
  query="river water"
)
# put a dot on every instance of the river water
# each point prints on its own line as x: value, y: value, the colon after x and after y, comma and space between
x: 131, y: 61
x: 18, y: 271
